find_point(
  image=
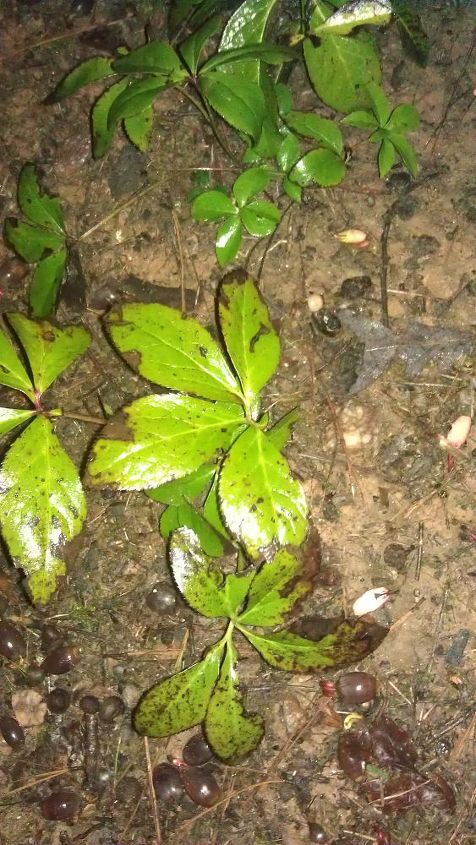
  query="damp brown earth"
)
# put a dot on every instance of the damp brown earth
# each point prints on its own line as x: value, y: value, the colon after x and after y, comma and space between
x: 391, y: 508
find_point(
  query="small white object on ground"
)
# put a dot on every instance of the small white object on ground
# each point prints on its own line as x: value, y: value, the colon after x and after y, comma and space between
x: 370, y: 601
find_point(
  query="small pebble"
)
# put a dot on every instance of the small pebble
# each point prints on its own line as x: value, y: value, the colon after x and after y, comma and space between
x: 355, y: 287
x: 326, y: 322
x: 315, y: 302
x: 111, y: 708
x: 29, y: 707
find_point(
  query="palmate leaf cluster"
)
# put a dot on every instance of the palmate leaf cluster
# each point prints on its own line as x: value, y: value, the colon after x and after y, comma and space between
x: 207, y: 441
x: 40, y: 239
x: 42, y: 502
x: 229, y: 67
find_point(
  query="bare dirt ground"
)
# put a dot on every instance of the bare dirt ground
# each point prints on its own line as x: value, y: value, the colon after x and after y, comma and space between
x: 391, y: 510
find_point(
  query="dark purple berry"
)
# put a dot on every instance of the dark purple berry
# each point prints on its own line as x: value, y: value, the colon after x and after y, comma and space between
x: 12, y: 643
x: 12, y: 731
x: 354, y: 751
x: 318, y: 834
x: 200, y: 786
x: 167, y: 783
x: 60, y: 805
x: 51, y: 637
x: 196, y: 751
x: 58, y: 700
x: 60, y: 660
x: 111, y: 708
x: 356, y: 687
x: 89, y: 704
x: 162, y: 598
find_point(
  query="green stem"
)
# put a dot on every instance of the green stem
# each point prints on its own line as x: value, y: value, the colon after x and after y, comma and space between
x: 202, y: 106
x: 83, y: 418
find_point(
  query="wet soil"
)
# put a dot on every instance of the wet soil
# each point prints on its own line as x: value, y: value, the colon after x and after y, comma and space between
x: 391, y: 509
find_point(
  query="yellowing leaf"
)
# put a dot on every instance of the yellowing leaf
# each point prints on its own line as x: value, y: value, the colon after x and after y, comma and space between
x: 162, y: 438
x: 42, y: 505
x: 231, y: 732
x: 180, y: 701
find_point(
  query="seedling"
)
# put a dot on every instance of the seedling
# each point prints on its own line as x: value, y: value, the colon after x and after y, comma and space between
x: 211, y: 433
x: 40, y: 240
x: 42, y: 502
x: 238, y: 83
x: 252, y: 602
x: 388, y: 128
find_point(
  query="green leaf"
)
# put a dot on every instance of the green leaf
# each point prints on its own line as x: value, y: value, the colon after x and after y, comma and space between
x: 211, y: 510
x: 380, y: 105
x: 91, y: 70
x: 290, y: 652
x: 235, y: 591
x: 212, y: 205
x: 186, y: 488
x: 102, y: 133
x: 200, y: 584
x: 320, y: 14
x: 155, y: 57
x: 361, y: 119
x: 231, y: 732
x: 352, y: 14
x: 180, y: 701
x: 172, y: 350
x: 247, y: 25
x: 185, y: 516
x: 260, y: 218
x: 12, y: 371
x: 320, y: 128
x: 45, y: 283
x: 404, y: 118
x: 11, y: 417
x: 405, y: 151
x: 269, y: 53
x: 49, y: 350
x: 281, y: 432
x: 284, y: 98
x: 191, y: 48
x: 135, y: 99
x: 250, y: 183
x: 162, y: 438
x: 238, y: 101
x: 42, y: 505
x: 386, y: 157
x: 260, y: 502
x: 293, y: 190
x: 138, y: 128
x: 321, y: 166
x: 30, y: 242
x: 340, y: 67
x: 289, y: 152
x: 275, y: 590
x: 228, y: 240
x: 38, y: 207
x: 250, y: 338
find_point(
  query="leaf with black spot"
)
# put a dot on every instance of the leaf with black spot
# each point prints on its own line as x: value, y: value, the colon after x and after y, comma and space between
x: 231, y: 732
